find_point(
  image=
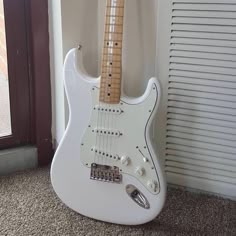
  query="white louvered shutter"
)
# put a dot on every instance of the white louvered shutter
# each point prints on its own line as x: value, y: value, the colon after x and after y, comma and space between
x: 201, y: 108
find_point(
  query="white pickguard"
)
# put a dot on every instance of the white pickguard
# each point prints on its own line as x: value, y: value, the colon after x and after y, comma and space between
x: 130, y: 124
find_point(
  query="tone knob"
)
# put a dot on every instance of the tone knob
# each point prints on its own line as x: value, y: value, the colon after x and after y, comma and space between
x: 152, y: 185
x: 140, y: 171
x: 125, y: 160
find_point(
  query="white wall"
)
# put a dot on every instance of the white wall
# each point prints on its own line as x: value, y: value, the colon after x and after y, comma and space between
x: 56, y: 60
x: 82, y: 22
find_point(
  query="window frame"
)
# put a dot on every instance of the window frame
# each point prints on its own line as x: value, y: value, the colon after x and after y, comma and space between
x: 29, y: 126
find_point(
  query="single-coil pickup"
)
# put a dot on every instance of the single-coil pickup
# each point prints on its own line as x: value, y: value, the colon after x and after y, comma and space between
x: 108, y: 110
x: 105, y: 154
x: 107, y: 132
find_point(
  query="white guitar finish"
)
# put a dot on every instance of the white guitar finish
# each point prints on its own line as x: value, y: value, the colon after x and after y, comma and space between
x: 131, y: 147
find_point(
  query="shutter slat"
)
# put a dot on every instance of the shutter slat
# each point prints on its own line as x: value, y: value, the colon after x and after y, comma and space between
x: 203, y: 169
x: 204, y: 14
x: 203, y: 163
x: 202, y: 114
x: 227, y: 100
x: 205, y: 7
x: 203, y: 69
x: 200, y: 132
x: 209, y: 89
x: 203, y: 21
x: 200, y: 75
x: 197, y: 125
x: 201, y: 120
x: 204, y: 101
x: 204, y: 28
x: 205, y: 1
x: 205, y: 82
x: 202, y: 48
x: 200, y: 107
x: 201, y: 151
x: 200, y: 174
x: 203, y: 62
x: 201, y: 138
x: 204, y: 42
x: 211, y: 160
x: 203, y: 55
x: 205, y: 145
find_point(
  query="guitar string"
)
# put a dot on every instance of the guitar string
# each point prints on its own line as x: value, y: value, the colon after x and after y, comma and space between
x: 101, y: 120
x: 104, y: 94
x: 110, y: 62
x: 96, y: 157
x: 105, y: 125
x: 107, y: 114
x: 114, y: 108
x: 114, y: 116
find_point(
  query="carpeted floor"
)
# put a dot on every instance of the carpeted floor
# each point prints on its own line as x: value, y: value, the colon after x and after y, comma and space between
x: 28, y: 206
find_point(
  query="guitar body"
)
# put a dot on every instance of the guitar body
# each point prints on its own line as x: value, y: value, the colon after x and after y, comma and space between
x: 105, y: 166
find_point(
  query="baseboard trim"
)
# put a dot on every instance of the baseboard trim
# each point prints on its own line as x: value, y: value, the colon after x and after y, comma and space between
x: 199, y: 191
x: 18, y: 159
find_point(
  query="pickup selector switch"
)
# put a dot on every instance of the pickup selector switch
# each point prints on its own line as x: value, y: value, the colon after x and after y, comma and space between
x: 125, y: 160
x: 140, y: 171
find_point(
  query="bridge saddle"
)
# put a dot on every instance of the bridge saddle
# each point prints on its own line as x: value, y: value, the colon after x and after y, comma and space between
x: 105, y: 173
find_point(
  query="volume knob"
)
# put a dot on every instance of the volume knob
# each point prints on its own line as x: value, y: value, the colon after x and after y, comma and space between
x: 140, y: 171
x: 125, y: 160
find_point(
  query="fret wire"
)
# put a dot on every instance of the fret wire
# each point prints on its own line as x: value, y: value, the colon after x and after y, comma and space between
x: 114, y: 76
x: 110, y: 77
x: 108, y: 61
x: 106, y: 54
x: 111, y: 89
x: 113, y: 24
x: 114, y: 91
x: 120, y: 8
x: 114, y: 16
x: 111, y: 66
x: 114, y: 86
x: 112, y: 95
x: 118, y: 48
x: 114, y: 33
x: 114, y: 79
x: 113, y: 50
x: 117, y: 86
x: 115, y: 40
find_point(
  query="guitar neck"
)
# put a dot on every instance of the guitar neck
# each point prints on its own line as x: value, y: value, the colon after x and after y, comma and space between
x: 110, y: 86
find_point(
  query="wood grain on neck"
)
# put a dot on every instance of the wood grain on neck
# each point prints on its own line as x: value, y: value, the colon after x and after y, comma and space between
x: 110, y: 87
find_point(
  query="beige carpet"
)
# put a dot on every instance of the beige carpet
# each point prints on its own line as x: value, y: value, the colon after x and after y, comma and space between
x: 28, y: 206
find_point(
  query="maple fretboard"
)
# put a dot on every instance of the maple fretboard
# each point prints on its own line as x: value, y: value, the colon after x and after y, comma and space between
x: 110, y: 87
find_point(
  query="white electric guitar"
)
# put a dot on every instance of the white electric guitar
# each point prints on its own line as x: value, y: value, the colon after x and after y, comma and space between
x: 105, y: 166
